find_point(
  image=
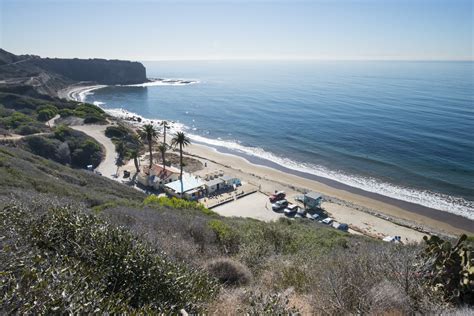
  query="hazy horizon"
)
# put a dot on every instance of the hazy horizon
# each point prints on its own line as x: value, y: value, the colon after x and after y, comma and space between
x: 366, y: 30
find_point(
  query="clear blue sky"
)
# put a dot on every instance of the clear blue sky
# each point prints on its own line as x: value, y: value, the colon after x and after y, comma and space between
x: 155, y: 30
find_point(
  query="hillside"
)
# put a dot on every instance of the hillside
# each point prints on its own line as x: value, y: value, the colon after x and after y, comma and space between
x: 216, y: 264
x: 49, y: 75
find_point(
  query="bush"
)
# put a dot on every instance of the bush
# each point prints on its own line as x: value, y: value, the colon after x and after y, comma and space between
x: 229, y: 272
x: 69, y: 262
x: 15, y: 120
x: 46, y: 112
x: 66, y: 112
x: 176, y: 204
x: 116, y: 131
x: 89, y: 153
x: 93, y: 118
x: 27, y: 130
x: 226, y: 236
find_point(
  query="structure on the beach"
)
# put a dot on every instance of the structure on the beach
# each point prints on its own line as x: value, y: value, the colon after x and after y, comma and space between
x: 222, y: 183
x: 156, y: 176
x: 193, y: 187
x: 214, y: 185
x: 312, y: 200
x: 230, y: 181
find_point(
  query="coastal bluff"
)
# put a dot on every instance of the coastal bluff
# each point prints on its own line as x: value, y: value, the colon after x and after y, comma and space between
x: 50, y: 75
x: 102, y: 71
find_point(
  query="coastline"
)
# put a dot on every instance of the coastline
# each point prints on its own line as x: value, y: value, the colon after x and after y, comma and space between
x: 342, y: 200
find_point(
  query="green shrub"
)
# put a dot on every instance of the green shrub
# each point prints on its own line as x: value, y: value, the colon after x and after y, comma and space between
x: 46, y: 112
x: 226, y: 236
x: 93, y: 118
x: 27, y: 130
x: 68, y: 262
x: 176, y: 204
x: 15, y: 120
x: 66, y: 112
x: 116, y: 131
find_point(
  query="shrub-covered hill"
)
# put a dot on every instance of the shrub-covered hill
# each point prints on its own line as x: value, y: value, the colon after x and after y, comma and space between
x: 24, y: 111
x: 74, y: 242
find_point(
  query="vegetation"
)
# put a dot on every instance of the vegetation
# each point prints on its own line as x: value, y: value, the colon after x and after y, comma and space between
x: 450, y: 269
x: 148, y: 134
x: 181, y: 140
x: 69, y: 261
x: 25, y: 112
x: 127, y: 144
x: 65, y: 146
x: 53, y: 245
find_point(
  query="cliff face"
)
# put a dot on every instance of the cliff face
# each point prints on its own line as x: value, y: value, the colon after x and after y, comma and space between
x: 98, y: 70
x: 49, y: 75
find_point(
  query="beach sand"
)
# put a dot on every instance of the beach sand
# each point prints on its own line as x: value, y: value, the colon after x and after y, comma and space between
x: 370, y: 216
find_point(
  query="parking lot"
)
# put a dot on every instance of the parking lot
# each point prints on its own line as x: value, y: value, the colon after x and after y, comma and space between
x: 255, y: 205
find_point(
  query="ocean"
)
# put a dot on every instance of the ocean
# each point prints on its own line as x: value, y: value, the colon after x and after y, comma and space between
x: 400, y: 129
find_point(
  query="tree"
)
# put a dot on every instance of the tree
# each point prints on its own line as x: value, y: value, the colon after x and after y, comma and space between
x: 134, y: 154
x: 165, y: 127
x: 183, y: 141
x: 148, y: 133
x: 121, y: 153
x: 163, y: 148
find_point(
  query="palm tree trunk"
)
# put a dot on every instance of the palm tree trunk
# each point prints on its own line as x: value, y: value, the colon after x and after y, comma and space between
x: 151, y: 156
x: 163, y: 158
x: 135, y: 161
x: 181, y: 165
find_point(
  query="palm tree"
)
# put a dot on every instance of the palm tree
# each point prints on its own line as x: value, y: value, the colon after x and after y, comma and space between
x: 148, y: 133
x: 165, y: 127
x: 162, y: 149
x: 134, y: 154
x: 183, y: 141
x: 121, y: 150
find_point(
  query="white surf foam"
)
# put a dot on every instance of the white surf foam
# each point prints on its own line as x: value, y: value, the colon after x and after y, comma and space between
x: 455, y: 205
x: 164, y: 82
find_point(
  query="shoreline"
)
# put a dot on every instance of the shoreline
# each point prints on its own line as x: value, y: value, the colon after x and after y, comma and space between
x: 405, y: 214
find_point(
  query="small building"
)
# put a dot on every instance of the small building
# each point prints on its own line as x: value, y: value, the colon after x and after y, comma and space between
x: 230, y: 181
x: 156, y: 176
x: 312, y: 200
x: 214, y: 185
x: 193, y: 187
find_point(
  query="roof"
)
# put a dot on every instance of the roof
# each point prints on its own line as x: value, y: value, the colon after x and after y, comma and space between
x: 227, y: 178
x: 158, y: 171
x: 211, y: 183
x: 189, y: 183
x: 313, y: 195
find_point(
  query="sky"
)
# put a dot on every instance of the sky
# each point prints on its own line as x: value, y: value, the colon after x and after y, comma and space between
x: 219, y: 30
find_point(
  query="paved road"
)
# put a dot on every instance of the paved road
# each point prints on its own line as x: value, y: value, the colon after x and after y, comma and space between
x: 107, y: 166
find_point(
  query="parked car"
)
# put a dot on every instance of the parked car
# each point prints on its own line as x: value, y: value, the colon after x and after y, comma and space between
x: 278, y: 205
x: 301, y: 211
x: 291, y: 209
x: 342, y: 226
x: 327, y: 221
x: 313, y: 216
x: 277, y: 196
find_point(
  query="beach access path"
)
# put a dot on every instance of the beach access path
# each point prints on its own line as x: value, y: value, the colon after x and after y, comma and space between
x: 107, y: 167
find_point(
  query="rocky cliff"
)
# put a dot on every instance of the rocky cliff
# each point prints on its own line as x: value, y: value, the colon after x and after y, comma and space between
x: 98, y: 70
x: 49, y: 75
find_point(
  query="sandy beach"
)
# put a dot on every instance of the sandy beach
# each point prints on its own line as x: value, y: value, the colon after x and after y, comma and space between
x: 365, y: 214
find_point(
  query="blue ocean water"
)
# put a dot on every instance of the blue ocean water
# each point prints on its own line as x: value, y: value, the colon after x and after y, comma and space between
x: 401, y: 129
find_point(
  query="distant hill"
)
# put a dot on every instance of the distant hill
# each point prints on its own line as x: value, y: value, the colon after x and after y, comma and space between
x: 48, y: 75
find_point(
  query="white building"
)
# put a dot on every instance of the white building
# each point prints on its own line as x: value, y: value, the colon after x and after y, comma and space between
x: 156, y: 177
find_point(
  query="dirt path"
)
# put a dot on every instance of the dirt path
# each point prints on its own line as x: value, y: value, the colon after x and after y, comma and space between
x: 107, y: 166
